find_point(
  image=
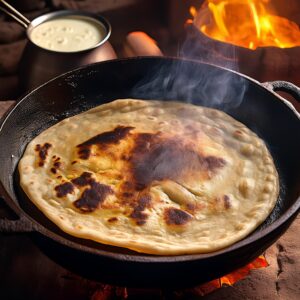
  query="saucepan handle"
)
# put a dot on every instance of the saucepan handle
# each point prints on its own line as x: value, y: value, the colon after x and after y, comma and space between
x: 22, y: 224
x: 283, y: 86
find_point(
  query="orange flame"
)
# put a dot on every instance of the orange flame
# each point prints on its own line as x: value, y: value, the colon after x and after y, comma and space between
x: 245, y: 23
x: 104, y: 292
x: 230, y: 279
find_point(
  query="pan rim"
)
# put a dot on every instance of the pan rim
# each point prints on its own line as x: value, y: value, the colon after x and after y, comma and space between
x: 144, y: 258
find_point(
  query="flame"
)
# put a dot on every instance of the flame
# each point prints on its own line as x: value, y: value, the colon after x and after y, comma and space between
x: 231, y: 278
x: 105, y: 291
x: 245, y: 23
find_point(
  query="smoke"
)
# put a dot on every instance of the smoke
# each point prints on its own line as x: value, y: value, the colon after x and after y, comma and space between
x: 192, y: 82
x: 222, y: 89
x: 200, y: 84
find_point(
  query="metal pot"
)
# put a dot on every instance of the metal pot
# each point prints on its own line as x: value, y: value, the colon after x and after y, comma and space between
x: 38, y: 65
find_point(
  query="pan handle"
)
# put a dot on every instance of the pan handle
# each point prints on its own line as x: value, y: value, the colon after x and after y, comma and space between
x: 16, y: 226
x: 283, y: 86
x: 23, y: 224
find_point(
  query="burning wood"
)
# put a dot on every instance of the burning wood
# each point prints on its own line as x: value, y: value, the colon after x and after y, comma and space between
x: 231, y: 278
x: 246, y: 23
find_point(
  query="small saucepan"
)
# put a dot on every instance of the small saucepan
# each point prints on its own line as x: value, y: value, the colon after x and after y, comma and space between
x: 39, y: 63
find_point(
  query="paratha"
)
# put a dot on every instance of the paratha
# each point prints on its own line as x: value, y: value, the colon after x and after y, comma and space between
x: 157, y: 177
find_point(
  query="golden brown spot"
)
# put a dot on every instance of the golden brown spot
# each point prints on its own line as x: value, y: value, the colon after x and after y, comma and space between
x: 112, y: 220
x: 125, y: 157
x: 191, y: 207
x: 174, y: 216
x: 227, y: 202
x: 127, y: 195
x: 192, y: 130
x: 127, y: 186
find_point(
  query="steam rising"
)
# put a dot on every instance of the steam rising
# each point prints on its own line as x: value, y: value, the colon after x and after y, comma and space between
x: 186, y: 81
x: 199, y: 84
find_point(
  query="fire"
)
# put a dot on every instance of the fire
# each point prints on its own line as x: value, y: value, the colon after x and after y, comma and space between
x: 104, y: 292
x: 245, y: 23
x: 232, y: 278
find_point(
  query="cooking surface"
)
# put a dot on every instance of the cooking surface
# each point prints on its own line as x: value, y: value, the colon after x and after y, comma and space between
x: 25, y: 266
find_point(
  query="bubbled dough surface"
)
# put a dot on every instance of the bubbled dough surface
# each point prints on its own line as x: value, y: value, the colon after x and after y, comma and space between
x: 249, y: 179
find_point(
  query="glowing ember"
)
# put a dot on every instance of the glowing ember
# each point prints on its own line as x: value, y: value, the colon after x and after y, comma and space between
x: 231, y: 278
x: 105, y: 292
x: 245, y: 23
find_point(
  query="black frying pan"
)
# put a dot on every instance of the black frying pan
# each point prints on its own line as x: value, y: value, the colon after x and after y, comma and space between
x: 152, y: 78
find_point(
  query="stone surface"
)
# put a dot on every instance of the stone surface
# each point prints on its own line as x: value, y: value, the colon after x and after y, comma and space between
x: 279, y: 281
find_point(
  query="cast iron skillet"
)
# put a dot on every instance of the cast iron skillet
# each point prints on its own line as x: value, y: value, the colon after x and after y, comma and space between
x: 270, y: 116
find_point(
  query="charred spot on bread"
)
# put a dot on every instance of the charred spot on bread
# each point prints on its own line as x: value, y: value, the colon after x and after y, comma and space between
x: 138, y: 213
x: 156, y: 158
x: 64, y: 189
x: 174, y: 216
x: 84, y: 179
x: 103, y: 140
x: 42, y: 152
x: 92, y: 197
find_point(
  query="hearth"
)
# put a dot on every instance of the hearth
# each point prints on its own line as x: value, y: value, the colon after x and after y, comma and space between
x: 245, y: 36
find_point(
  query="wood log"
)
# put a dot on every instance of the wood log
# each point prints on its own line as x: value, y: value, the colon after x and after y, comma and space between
x: 138, y: 43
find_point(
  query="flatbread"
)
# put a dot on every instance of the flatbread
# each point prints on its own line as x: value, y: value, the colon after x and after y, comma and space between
x: 163, y: 178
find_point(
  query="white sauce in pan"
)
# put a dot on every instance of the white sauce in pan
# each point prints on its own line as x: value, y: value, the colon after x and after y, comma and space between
x: 68, y: 34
